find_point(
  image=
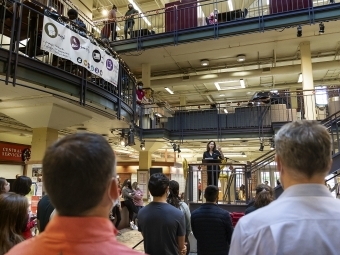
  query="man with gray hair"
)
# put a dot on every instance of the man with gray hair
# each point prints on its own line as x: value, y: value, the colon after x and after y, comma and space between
x: 304, y: 219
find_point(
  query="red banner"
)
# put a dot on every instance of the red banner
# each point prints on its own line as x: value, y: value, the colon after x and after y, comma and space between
x: 12, y: 151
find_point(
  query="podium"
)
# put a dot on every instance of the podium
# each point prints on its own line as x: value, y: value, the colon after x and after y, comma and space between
x: 213, y: 171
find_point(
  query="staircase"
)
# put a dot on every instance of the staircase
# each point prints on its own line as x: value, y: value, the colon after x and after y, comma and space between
x: 332, y: 123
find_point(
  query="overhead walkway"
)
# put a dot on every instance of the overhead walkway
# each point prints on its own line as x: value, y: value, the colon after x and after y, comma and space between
x: 257, y: 19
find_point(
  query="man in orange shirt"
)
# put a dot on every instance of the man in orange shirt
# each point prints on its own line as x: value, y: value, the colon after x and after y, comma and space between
x: 80, y: 178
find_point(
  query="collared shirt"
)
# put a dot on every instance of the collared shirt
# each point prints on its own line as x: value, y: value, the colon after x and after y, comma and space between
x: 303, y: 220
x: 75, y: 236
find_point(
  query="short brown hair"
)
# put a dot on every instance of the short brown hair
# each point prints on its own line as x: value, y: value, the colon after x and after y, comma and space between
x: 77, y: 170
x: 264, y: 195
x: 304, y: 146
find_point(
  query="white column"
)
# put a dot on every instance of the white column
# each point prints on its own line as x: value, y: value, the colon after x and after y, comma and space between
x: 307, y: 83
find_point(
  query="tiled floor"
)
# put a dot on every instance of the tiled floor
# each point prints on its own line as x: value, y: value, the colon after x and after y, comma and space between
x: 132, y: 237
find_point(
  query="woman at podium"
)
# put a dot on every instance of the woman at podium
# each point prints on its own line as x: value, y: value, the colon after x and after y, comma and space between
x: 214, y: 156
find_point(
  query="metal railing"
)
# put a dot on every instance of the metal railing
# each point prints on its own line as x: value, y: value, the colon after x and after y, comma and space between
x: 21, y: 34
x: 233, y: 182
x: 264, y: 109
x: 184, y: 15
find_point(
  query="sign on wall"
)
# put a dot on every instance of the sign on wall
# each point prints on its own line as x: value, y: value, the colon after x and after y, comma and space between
x: 63, y: 42
x: 12, y: 152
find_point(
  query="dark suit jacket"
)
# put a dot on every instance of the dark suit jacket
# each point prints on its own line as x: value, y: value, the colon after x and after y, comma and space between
x: 212, y: 228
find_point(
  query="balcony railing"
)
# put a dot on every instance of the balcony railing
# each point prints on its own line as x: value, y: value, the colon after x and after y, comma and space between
x: 21, y: 27
x: 262, y: 111
x: 188, y: 14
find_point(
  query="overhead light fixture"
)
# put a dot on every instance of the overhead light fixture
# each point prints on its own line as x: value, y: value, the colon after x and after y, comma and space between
x: 210, y: 99
x: 122, y: 141
x: 300, y: 79
x: 122, y: 138
x: 158, y: 115
x: 217, y: 85
x: 321, y: 28
x: 142, y: 145
x: 242, y: 83
x: 230, y: 4
x: 169, y: 90
x: 104, y: 12
x: 299, y: 31
x: 241, y: 58
x: 225, y: 110
x: 204, y: 62
x: 140, y: 12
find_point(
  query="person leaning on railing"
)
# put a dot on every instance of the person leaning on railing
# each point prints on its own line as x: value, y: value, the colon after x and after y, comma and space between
x: 110, y: 26
x: 129, y: 20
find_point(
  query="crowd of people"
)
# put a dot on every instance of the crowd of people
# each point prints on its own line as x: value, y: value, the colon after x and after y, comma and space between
x: 301, y: 221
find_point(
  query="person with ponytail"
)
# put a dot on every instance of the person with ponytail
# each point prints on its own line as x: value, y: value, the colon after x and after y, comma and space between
x: 174, y: 200
x: 264, y: 196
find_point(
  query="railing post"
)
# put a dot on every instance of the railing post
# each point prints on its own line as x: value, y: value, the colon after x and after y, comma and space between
x: 11, y: 42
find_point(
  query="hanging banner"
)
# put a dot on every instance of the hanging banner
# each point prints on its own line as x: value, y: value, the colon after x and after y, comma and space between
x: 63, y: 42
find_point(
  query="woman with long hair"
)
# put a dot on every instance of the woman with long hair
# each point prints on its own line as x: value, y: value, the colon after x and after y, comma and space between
x: 22, y: 186
x: 264, y: 196
x: 213, y: 171
x: 128, y: 194
x: 4, y: 185
x: 174, y: 199
x: 13, y: 220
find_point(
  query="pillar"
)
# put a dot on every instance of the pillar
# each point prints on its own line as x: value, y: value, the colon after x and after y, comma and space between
x: 41, y: 139
x: 307, y: 83
x: 145, y: 160
x: 182, y: 101
x: 146, y: 74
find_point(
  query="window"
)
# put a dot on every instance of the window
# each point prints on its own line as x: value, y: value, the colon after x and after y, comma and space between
x: 321, y: 97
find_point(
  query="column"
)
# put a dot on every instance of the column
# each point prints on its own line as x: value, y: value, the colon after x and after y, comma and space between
x: 182, y: 101
x: 41, y: 139
x: 307, y: 83
x: 145, y: 160
x: 146, y: 74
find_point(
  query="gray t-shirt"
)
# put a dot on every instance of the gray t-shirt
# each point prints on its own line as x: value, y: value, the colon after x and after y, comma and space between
x: 161, y: 224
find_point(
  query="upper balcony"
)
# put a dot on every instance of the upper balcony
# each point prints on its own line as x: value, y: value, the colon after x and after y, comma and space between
x: 187, y: 21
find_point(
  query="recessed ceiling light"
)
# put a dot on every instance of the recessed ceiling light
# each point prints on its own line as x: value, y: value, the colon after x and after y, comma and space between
x: 204, y: 62
x: 241, y: 58
x: 242, y: 83
x: 222, y: 95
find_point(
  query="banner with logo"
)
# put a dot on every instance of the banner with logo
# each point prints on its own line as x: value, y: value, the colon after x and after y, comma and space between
x: 63, y: 42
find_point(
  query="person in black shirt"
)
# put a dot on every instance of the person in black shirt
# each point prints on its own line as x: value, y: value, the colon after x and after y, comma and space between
x: 129, y: 20
x: 45, y: 208
x: 213, y: 171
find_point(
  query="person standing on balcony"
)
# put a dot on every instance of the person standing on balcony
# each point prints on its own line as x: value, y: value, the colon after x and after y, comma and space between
x: 129, y: 20
x: 301, y: 220
x: 213, y: 171
x: 110, y: 27
x: 213, y: 17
